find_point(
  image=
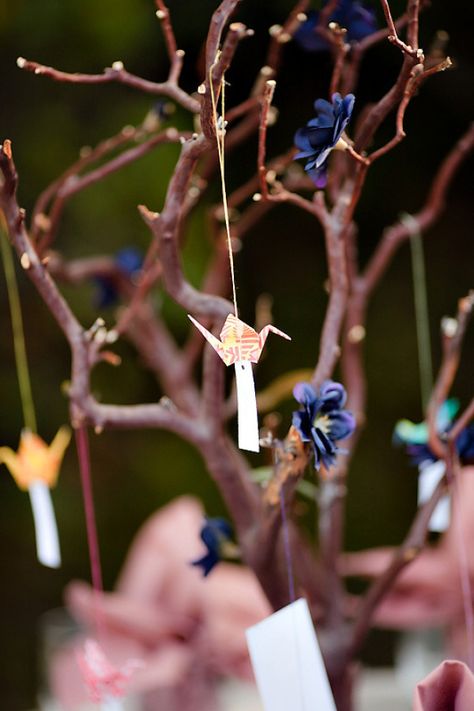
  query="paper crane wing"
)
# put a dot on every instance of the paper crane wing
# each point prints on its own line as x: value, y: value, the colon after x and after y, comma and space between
x: 215, y: 343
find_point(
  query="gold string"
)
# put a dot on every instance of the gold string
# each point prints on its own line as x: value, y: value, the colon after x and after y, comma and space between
x: 220, y: 138
x: 21, y: 359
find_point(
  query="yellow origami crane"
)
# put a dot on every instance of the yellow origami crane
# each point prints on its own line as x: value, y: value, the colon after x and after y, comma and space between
x: 35, y: 461
x: 35, y: 468
x: 238, y: 340
x: 241, y: 345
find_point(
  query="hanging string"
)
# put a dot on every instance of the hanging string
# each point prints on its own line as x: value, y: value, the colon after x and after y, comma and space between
x: 287, y: 547
x: 21, y: 358
x: 83, y: 453
x: 421, y: 310
x: 220, y: 140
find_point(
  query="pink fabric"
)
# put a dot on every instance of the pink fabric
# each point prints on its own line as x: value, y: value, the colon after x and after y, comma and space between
x: 450, y: 687
x: 428, y: 592
x: 183, y: 628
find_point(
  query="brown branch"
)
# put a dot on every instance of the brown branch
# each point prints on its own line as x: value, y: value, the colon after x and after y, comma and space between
x: 213, y: 383
x: 39, y: 220
x: 404, y: 555
x: 412, y: 21
x: 262, y: 136
x: 397, y: 234
x: 463, y: 420
x: 160, y: 353
x: 74, y: 183
x: 165, y: 226
x: 447, y: 372
x: 329, y: 350
x: 386, y: 104
x: 163, y: 14
x: 116, y: 73
x: 341, y: 50
x: 282, y: 34
x: 83, y: 406
x: 214, y: 65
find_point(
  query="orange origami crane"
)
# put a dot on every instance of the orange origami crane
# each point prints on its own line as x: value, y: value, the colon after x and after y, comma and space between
x: 241, y: 345
x: 35, y: 468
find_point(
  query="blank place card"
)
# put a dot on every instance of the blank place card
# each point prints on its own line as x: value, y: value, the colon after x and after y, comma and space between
x: 287, y: 662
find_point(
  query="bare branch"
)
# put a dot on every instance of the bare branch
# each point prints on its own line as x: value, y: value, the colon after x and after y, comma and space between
x: 397, y: 234
x: 262, y: 136
x: 447, y: 372
x: 115, y: 73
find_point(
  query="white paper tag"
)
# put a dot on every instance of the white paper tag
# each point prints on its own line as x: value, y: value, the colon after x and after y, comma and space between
x: 287, y: 662
x: 47, y: 541
x: 430, y: 475
x: 247, y: 417
x: 111, y: 704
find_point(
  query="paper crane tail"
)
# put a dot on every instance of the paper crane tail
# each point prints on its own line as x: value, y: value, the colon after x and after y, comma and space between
x: 47, y: 541
x: 247, y: 418
x: 215, y: 343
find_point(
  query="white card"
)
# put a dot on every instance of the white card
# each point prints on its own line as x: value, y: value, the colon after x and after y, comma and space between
x: 47, y: 541
x: 287, y: 662
x: 111, y: 704
x: 247, y: 417
x: 430, y: 475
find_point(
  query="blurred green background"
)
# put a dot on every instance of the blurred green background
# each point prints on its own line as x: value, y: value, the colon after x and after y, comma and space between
x: 136, y: 472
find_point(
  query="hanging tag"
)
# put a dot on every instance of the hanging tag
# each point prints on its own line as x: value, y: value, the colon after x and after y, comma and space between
x: 430, y: 475
x: 287, y: 662
x: 241, y: 345
x: 47, y: 541
x: 246, y: 406
x: 111, y: 704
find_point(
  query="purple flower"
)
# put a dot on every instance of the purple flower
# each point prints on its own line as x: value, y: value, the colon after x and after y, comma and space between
x: 358, y: 20
x: 323, y: 421
x: 129, y: 261
x: 320, y: 135
x: 216, y: 535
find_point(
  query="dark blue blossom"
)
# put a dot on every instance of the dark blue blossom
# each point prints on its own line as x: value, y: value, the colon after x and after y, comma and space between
x: 415, y: 436
x: 353, y: 16
x: 129, y: 261
x: 216, y: 535
x: 316, y: 140
x: 323, y: 421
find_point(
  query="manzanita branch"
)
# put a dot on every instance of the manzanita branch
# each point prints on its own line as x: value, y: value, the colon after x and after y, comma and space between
x: 115, y: 73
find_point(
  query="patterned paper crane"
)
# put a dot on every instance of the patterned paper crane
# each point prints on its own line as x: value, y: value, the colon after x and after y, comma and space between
x: 241, y: 345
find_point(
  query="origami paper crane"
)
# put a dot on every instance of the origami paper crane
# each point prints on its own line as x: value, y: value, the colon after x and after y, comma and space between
x: 241, y: 345
x: 106, y: 683
x: 35, y: 468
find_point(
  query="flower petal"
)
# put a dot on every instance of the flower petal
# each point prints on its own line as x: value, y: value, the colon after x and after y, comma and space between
x: 304, y: 393
x: 333, y: 395
x: 342, y: 424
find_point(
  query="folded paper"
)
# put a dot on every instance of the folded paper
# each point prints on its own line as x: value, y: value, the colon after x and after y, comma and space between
x: 35, y: 468
x: 105, y: 682
x: 240, y: 345
x: 430, y: 475
x: 287, y: 661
